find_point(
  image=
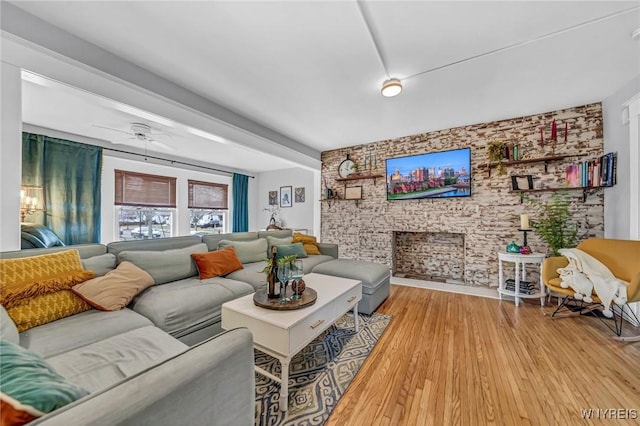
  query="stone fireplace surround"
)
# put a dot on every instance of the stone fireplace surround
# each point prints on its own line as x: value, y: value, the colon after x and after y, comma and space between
x: 488, y: 219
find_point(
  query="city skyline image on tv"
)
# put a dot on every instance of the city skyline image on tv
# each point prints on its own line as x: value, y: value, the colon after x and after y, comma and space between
x: 431, y: 175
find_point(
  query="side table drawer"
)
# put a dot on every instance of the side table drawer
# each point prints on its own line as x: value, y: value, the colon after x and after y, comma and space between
x: 303, y: 332
x: 347, y: 300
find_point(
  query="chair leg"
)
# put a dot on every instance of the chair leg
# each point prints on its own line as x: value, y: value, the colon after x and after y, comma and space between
x: 618, y: 330
x: 563, y: 303
x: 583, y: 309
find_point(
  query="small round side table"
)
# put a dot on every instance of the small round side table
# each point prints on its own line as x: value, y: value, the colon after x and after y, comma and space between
x: 520, y: 261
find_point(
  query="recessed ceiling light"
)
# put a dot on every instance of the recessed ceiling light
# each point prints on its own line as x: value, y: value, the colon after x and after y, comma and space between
x: 391, y: 87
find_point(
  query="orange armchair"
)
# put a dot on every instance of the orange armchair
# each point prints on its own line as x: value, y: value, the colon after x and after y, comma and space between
x: 622, y: 257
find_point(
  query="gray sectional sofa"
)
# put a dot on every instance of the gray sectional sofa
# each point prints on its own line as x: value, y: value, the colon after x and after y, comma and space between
x: 190, y: 370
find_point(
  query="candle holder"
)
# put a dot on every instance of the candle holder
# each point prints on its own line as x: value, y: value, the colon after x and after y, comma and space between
x: 525, y: 249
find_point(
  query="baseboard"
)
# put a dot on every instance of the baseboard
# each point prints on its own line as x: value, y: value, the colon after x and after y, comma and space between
x: 487, y: 292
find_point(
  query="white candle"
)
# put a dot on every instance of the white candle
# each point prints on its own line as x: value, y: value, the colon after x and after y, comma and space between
x: 524, y: 221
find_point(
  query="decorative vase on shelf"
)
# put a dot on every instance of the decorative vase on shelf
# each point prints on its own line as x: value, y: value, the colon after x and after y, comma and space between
x: 513, y: 247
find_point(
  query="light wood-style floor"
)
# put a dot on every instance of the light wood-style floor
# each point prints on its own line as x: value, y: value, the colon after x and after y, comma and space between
x: 451, y: 359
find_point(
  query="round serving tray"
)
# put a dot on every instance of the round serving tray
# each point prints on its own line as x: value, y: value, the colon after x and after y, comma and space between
x: 308, y: 298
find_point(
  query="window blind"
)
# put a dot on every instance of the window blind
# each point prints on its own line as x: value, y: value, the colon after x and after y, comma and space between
x: 207, y: 195
x: 140, y: 189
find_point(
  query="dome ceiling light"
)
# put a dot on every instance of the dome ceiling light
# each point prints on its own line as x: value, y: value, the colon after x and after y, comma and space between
x: 391, y: 87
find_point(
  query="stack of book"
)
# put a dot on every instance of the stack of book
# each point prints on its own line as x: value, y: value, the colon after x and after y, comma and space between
x: 593, y: 173
x: 526, y: 287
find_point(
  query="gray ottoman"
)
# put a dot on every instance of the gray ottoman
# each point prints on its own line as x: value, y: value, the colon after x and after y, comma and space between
x: 375, y: 279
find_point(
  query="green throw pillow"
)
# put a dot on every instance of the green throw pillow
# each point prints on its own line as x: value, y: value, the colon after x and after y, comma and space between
x: 29, y: 380
x: 274, y: 241
x: 291, y: 249
x: 247, y: 251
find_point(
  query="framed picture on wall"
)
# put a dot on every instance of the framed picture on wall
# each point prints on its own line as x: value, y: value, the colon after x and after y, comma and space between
x: 285, y: 196
x: 299, y: 195
x: 520, y: 182
x: 353, y: 193
x: 273, y: 198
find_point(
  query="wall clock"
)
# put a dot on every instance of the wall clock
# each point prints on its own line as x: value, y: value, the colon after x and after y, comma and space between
x: 347, y: 167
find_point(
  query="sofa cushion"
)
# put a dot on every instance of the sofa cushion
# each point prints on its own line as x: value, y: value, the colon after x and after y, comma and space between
x: 116, y: 289
x: 251, y: 274
x: 247, y: 251
x: 311, y: 262
x: 186, y: 305
x: 33, y: 386
x: 154, y: 244
x: 104, y: 363
x: 8, y: 329
x: 308, y: 241
x: 36, y: 290
x: 79, y: 330
x: 372, y: 275
x: 100, y: 265
x: 217, y: 263
x: 165, y: 266
x: 274, y: 242
x: 296, y: 249
x: 213, y: 240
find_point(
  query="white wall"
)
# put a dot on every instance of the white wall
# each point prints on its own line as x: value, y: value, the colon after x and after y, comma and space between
x: 299, y: 215
x: 10, y: 149
x: 616, y: 139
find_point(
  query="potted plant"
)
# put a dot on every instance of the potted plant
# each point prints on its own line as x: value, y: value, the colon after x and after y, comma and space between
x: 495, y: 152
x: 554, y: 222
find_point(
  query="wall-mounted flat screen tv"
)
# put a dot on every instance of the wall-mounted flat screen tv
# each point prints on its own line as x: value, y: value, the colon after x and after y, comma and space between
x: 431, y: 175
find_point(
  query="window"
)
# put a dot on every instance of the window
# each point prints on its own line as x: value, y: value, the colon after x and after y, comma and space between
x: 208, y: 207
x: 145, y: 205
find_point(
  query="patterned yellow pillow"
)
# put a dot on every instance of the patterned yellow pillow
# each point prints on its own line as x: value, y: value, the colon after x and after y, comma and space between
x: 36, y: 290
x: 308, y: 242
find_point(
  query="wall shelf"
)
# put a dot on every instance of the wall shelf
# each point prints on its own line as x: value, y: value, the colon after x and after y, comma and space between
x: 585, y: 190
x: 358, y: 177
x: 544, y: 160
x: 330, y: 200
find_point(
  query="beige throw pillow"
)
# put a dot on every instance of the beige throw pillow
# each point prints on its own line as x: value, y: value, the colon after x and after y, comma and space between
x: 116, y: 289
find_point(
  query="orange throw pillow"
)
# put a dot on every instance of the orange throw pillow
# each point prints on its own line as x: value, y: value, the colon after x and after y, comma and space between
x: 308, y: 242
x: 217, y: 263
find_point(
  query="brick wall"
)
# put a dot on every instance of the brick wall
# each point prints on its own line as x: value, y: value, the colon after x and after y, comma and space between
x: 489, y: 218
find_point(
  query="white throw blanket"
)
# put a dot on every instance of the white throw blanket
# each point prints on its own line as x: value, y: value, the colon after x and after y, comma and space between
x: 585, y: 274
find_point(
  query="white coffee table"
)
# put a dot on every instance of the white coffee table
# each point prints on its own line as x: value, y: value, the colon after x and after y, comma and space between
x: 282, y: 334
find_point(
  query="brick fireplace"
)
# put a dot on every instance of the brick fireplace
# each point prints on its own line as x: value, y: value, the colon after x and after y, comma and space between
x: 432, y: 256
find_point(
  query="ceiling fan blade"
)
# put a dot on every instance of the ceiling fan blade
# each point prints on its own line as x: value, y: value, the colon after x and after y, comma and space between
x: 161, y: 145
x: 121, y: 141
x: 111, y: 128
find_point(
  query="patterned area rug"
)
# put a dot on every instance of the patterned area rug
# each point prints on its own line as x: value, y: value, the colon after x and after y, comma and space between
x: 319, y: 374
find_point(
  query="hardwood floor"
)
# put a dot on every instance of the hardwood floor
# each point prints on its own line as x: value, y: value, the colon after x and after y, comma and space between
x: 451, y: 359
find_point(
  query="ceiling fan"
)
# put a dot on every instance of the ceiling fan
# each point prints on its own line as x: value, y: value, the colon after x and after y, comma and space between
x: 142, y: 133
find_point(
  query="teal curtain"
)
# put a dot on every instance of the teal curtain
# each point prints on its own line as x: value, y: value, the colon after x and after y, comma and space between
x: 70, y: 174
x: 240, y: 203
